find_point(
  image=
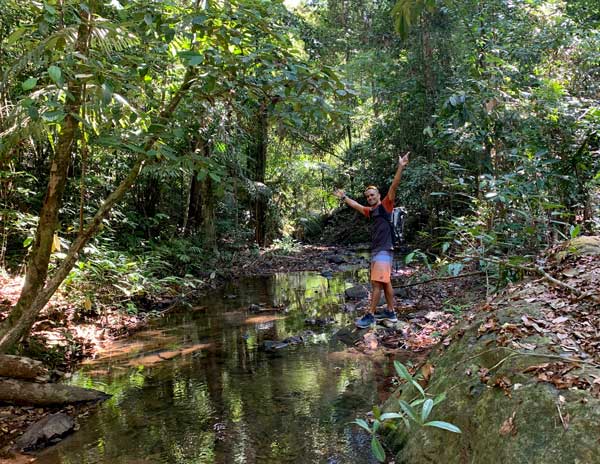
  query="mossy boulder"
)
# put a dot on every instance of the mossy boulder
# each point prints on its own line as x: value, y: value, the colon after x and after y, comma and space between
x: 506, y: 414
x: 586, y: 245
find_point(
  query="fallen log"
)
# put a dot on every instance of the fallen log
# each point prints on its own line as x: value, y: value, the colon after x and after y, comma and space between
x: 45, y: 394
x: 19, y: 367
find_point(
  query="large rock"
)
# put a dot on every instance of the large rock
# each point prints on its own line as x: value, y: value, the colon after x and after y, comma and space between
x: 585, y: 245
x: 505, y: 413
x: 46, y: 431
x: 357, y: 292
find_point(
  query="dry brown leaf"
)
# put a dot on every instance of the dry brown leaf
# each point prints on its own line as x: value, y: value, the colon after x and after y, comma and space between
x: 508, y: 426
x: 427, y: 371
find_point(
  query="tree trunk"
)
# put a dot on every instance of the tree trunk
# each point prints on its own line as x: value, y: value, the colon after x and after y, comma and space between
x: 37, y: 268
x: 207, y: 204
x: 258, y: 160
x: 194, y: 216
x: 23, y: 315
x: 45, y: 394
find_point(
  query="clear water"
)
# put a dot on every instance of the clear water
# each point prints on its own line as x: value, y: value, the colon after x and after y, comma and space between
x: 196, y: 388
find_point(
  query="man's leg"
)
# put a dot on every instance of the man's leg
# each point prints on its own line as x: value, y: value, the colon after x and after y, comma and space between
x: 388, y: 315
x: 375, y: 296
x: 389, y: 295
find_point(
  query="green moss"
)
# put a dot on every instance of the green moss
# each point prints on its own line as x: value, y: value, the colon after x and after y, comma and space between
x: 481, y: 409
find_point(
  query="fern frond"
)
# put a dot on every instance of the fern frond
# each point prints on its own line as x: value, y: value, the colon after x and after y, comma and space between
x: 35, y: 55
x: 110, y: 38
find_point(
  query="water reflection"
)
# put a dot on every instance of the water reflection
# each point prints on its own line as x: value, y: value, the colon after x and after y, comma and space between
x: 196, y: 388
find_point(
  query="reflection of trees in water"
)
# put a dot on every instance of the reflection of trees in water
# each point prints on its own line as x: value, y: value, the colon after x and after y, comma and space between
x: 232, y: 403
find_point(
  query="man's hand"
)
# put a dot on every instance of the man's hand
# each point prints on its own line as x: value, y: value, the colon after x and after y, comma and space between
x: 403, y: 160
x: 339, y: 193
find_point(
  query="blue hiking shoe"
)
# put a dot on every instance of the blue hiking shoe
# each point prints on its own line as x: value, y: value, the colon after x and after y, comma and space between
x: 365, y: 322
x: 386, y: 316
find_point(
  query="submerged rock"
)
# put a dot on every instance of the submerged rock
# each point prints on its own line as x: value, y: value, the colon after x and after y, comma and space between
x: 320, y: 322
x: 254, y: 308
x: 273, y: 346
x: 337, y: 259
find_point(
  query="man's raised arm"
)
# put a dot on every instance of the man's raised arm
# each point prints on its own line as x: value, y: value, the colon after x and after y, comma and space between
x: 402, y: 162
x: 349, y: 201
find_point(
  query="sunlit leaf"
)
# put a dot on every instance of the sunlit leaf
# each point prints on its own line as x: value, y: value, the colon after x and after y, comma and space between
x: 427, y: 407
x: 443, y: 425
x: 362, y: 423
x: 390, y: 415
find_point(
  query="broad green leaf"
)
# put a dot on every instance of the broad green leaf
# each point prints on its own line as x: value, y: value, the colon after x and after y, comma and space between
x: 427, y: 406
x: 409, y: 410
x: 377, y: 449
x: 376, y: 412
x: 438, y: 399
x: 29, y: 83
x: 53, y: 116
x: 16, y: 35
x: 390, y: 415
x: 443, y: 425
x: 401, y: 368
x: 376, y: 425
x: 196, y: 60
x: 49, y: 8
x: 55, y: 74
x: 417, y: 386
x: 362, y: 423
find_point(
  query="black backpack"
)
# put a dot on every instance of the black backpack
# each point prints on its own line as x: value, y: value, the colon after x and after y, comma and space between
x: 397, y: 223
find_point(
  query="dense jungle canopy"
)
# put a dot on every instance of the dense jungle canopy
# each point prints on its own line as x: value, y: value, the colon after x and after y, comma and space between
x: 154, y: 142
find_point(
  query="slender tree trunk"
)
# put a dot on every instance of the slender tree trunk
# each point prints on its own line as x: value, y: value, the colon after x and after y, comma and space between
x: 258, y: 158
x: 35, y: 294
x: 194, y: 215
x: 207, y: 206
x: 37, y: 268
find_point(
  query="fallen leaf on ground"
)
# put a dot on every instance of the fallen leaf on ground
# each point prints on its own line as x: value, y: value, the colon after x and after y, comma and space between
x: 508, y: 426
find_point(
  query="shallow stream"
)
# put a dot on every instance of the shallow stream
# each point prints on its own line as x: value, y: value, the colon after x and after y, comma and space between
x: 195, y: 387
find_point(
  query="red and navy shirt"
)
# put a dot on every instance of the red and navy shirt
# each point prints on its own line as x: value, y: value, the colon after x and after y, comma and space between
x: 381, y: 227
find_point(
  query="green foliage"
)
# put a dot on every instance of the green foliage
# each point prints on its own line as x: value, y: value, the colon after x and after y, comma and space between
x: 285, y: 246
x: 414, y: 413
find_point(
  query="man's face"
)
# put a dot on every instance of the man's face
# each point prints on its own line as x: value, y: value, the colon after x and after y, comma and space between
x: 372, y: 197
